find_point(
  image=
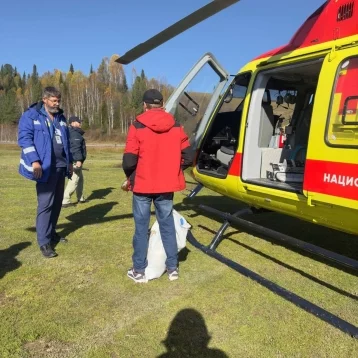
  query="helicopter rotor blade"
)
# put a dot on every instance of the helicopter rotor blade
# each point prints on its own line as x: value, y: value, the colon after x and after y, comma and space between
x: 182, y: 25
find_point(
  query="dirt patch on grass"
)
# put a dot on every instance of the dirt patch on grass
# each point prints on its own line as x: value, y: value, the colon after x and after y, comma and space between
x: 5, y: 299
x: 49, y: 349
x: 2, y: 298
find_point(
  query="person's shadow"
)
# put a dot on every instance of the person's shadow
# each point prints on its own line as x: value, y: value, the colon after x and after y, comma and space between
x: 188, y: 337
x: 8, y: 261
x: 90, y: 216
x: 100, y: 193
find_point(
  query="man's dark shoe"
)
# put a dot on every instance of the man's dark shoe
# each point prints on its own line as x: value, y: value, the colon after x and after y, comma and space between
x: 47, y: 251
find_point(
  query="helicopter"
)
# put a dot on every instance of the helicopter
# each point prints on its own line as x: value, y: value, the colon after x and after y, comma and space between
x: 281, y: 135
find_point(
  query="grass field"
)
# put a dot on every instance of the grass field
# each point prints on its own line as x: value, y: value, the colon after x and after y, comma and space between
x: 81, y: 304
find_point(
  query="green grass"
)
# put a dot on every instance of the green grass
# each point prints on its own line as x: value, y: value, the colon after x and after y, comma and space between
x: 81, y: 304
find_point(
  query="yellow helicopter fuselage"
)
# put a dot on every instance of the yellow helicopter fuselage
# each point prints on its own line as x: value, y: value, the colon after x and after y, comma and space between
x: 329, y: 192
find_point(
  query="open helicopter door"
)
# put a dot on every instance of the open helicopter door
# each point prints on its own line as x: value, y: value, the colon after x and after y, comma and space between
x: 194, y: 100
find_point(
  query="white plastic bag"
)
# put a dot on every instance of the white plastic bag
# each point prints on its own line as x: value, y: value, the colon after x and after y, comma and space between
x: 156, y: 255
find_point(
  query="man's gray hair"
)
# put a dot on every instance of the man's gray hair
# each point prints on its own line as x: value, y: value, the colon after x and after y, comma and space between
x: 154, y: 105
x: 51, y: 92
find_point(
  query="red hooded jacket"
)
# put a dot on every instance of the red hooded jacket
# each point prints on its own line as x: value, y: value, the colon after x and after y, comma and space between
x: 156, y: 153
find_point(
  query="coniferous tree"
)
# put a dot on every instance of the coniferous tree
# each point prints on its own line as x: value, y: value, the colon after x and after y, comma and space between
x: 35, y: 75
x: 9, y: 110
x: 72, y: 69
x: 138, y: 90
x: 124, y: 86
x: 36, y: 88
x: 7, y: 70
x: 24, y: 79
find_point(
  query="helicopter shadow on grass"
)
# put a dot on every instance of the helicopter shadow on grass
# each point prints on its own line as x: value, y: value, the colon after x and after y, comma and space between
x: 329, y: 239
x: 281, y: 263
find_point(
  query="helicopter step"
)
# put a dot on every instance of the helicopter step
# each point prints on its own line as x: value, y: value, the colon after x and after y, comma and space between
x: 308, y: 306
x: 195, y: 191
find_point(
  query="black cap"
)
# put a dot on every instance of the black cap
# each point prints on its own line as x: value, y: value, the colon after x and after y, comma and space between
x: 74, y: 119
x: 152, y: 96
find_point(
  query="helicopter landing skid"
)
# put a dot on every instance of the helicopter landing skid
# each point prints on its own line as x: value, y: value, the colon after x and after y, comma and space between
x: 308, y: 306
x: 195, y: 191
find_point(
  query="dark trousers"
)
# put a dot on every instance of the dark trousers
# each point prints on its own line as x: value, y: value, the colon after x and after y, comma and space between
x: 163, y: 204
x: 49, y: 202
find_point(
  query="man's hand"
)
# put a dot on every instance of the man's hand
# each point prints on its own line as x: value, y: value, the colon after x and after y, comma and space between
x: 126, y: 185
x: 78, y: 164
x: 37, y: 170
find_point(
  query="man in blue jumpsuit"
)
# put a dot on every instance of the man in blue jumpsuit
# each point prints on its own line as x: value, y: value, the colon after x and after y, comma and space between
x: 46, y: 159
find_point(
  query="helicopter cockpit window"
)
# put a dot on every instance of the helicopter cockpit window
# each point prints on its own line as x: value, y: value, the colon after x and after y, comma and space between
x: 342, y: 124
x: 236, y: 94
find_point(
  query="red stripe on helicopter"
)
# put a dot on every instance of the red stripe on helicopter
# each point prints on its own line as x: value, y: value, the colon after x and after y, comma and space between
x: 235, y: 168
x: 331, y: 178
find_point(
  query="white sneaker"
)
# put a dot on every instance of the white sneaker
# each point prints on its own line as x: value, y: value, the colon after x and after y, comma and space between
x: 136, y: 276
x: 173, y: 275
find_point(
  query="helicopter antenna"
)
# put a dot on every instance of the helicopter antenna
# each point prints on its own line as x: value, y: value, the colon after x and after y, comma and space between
x: 170, y: 32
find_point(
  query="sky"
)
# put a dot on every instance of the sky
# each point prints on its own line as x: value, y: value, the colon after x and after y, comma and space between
x: 55, y: 34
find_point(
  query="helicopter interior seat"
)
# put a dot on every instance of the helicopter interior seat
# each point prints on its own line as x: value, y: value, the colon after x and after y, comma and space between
x: 267, y: 124
x: 297, y: 141
x: 295, y: 146
x: 303, y: 127
x: 266, y: 131
x: 228, y: 147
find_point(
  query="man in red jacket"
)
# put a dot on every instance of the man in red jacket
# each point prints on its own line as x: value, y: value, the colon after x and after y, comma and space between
x: 157, y: 151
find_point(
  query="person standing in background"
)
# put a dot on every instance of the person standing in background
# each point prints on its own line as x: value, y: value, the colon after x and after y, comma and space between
x: 79, y: 153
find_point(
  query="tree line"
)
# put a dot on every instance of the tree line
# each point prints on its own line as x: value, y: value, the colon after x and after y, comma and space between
x: 103, y: 99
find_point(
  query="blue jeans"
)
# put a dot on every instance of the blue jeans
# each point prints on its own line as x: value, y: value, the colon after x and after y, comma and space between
x: 164, y: 213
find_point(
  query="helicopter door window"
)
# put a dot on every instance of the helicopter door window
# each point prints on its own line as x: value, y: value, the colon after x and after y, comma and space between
x: 194, y: 99
x: 191, y: 106
x: 342, y: 124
